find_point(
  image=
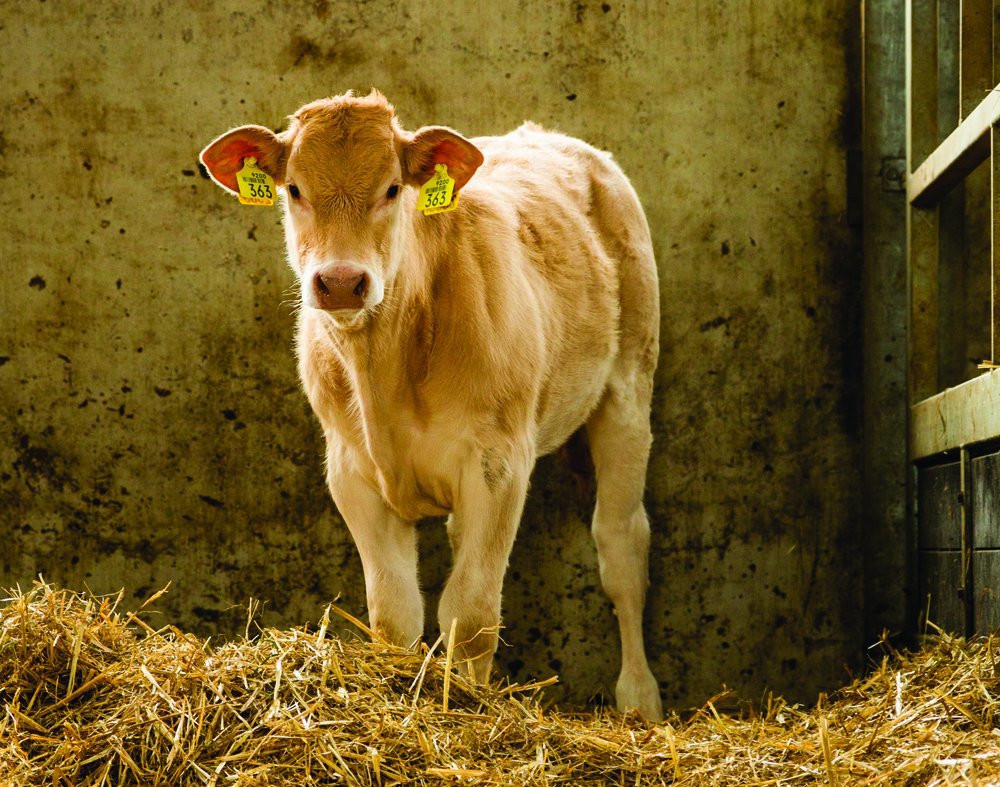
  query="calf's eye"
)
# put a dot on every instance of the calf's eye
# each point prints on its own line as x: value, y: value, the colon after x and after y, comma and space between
x: 392, y: 192
x: 293, y: 191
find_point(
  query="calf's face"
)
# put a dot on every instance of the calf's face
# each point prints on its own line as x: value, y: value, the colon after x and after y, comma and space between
x: 343, y: 165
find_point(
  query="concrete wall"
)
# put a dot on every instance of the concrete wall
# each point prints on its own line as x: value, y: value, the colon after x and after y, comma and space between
x: 153, y: 429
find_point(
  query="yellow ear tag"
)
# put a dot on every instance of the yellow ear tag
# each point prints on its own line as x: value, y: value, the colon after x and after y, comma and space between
x: 256, y: 186
x: 436, y: 194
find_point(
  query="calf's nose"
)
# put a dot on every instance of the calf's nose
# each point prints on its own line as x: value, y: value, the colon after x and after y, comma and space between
x: 341, y: 287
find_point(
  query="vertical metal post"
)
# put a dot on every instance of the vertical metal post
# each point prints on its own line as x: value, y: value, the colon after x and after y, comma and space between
x: 922, y: 223
x: 994, y: 164
x: 888, y: 540
x: 921, y: 246
x: 995, y: 41
x: 975, y: 54
x: 951, y: 272
x: 995, y: 197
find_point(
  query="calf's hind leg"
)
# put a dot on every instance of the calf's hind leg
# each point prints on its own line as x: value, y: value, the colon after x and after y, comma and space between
x: 620, y: 439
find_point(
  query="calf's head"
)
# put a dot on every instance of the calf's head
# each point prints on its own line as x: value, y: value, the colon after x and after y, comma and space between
x: 343, y: 165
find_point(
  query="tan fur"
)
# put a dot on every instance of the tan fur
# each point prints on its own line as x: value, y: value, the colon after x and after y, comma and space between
x: 501, y: 328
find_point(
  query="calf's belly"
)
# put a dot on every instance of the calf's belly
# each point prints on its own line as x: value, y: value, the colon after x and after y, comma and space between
x: 569, y: 402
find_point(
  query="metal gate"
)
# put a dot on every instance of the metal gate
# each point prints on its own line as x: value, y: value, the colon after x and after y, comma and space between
x: 952, y: 189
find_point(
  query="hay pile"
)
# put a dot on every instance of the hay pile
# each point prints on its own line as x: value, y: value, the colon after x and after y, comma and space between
x: 92, y: 696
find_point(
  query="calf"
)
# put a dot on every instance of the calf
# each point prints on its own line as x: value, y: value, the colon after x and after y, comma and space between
x: 443, y: 353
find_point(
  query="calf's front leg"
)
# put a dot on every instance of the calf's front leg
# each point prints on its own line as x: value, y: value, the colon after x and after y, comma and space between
x: 487, y: 511
x: 388, y: 549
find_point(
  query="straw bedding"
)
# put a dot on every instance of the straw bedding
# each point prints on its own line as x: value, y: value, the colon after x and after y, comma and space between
x: 95, y: 696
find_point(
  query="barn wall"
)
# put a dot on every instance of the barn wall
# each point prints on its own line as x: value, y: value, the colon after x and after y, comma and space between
x: 153, y: 429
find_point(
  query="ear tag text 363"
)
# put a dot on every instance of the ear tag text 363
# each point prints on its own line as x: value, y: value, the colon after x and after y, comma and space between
x: 256, y: 186
x: 436, y: 195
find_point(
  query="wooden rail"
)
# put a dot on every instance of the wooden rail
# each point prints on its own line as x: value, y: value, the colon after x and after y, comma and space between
x: 966, y: 148
x: 966, y: 414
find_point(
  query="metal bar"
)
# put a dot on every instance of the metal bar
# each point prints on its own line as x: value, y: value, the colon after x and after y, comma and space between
x: 975, y: 54
x: 995, y: 244
x: 887, y: 541
x: 995, y: 199
x: 966, y: 414
x: 951, y: 207
x: 921, y: 225
x: 921, y: 79
x: 995, y: 24
x: 922, y: 233
x: 953, y: 270
x: 949, y: 49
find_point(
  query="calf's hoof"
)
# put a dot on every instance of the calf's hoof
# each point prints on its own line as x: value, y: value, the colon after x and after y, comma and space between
x: 473, y: 649
x: 639, y: 692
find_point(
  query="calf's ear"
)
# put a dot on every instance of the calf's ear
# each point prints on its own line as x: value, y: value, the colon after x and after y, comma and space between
x: 223, y: 158
x: 438, y: 145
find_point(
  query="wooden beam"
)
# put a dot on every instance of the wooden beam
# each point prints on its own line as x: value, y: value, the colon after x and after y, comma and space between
x: 960, y: 416
x: 964, y: 149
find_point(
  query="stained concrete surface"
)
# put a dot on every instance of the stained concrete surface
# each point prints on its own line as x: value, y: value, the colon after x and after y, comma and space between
x: 153, y: 429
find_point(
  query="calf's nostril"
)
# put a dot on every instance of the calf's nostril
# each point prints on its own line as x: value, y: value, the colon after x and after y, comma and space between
x: 362, y: 286
x: 321, y: 285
